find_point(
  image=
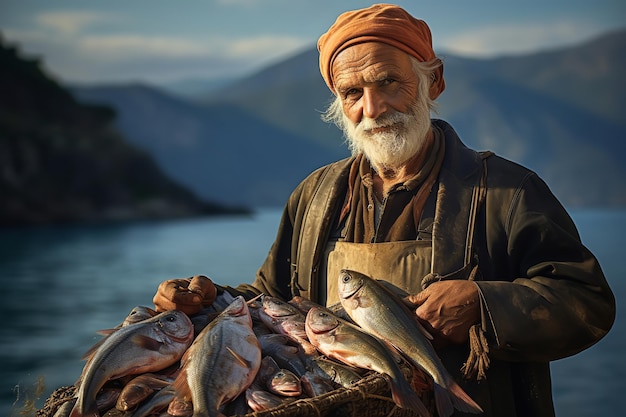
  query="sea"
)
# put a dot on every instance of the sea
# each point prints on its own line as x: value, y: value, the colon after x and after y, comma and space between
x: 59, y: 285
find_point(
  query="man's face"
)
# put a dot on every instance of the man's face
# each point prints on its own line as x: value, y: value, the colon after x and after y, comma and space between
x: 384, y: 115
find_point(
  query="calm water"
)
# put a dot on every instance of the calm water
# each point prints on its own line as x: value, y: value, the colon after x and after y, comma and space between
x: 62, y: 284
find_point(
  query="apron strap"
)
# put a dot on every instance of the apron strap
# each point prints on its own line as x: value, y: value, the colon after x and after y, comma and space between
x: 315, y: 228
x: 450, y: 253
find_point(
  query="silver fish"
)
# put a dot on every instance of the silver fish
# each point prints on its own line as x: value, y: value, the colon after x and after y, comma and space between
x: 259, y: 399
x: 221, y: 363
x: 341, y: 340
x: 380, y: 312
x: 315, y: 385
x: 284, y: 383
x: 286, y: 355
x: 138, y: 314
x: 149, y: 345
x: 158, y: 402
x: 138, y: 389
x: 339, y: 373
x: 286, y: 319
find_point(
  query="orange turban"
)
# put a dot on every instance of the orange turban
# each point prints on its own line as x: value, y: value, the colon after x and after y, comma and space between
x: 384, y: 23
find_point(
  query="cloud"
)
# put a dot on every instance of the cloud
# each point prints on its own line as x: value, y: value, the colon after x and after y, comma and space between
x: 517, y: 38
x: 71, y: 22
x: 135, y: 47
x: 266, y: 46
x: 120, y: 47
x: 93, y: 58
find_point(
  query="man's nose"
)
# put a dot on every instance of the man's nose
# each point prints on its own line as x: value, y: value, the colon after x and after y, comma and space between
x: 373, y: 104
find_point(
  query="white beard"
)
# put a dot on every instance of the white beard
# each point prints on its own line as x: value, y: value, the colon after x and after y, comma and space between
x: 403, y: 136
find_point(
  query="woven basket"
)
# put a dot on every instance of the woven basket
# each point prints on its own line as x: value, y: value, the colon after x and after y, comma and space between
x: 369, y: 397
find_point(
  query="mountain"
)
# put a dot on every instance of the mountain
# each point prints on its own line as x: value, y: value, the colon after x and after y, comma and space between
x: 559, y: 112
x: 62, y: 161
x: 218, y: 151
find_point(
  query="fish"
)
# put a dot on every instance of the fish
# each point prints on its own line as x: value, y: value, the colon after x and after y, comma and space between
x: 158, y: 402
x: 179, y: 407
x: 268, y: 368
x: 259, y: 399
x: 237, y: 407
x: 284, y: 318
x: 380, y: 312
x: 339, y: 373
x: 104, y: 401
x: 65, y: 409
x: 285, y: 354
x: 138, y: 389
x: 341, y: 340
x: 147, y: 346
x: 284, y: 383
x: 315, y: 385
x: 221, y: 363
x: 138, y: 314
x: 302, y: 304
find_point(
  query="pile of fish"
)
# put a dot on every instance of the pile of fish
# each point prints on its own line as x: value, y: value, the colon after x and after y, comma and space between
x: 236, y: 357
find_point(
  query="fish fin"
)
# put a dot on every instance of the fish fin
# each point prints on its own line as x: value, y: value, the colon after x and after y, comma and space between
x: 243, y: 361
x: 454, y: 397
x: 405, y: 397
x: 443, y: 401
x: 461, y: 400
x: 146, y: 342
x: 254, y: 299
x: 344, y: 356
x: 106, y: 332
x: 92, y: 350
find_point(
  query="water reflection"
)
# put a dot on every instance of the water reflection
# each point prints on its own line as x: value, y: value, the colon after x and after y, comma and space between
x: 62, y: 284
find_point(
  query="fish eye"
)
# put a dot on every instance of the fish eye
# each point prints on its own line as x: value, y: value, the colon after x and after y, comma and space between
x: 171, y: 318
x: 346, y: 278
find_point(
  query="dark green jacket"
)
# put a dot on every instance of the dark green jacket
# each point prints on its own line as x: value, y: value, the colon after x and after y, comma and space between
x: 544, y: 295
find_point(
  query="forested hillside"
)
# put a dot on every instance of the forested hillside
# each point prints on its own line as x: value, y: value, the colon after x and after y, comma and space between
x: 62, y: 161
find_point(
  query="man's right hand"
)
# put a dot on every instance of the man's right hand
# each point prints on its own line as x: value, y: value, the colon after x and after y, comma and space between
x: 189, y: 295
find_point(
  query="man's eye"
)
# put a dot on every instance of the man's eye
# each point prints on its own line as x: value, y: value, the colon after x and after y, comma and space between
x: 351, y: 92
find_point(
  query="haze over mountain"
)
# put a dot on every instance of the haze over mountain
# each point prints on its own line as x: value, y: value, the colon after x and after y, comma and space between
x: 63, y: 161
x: 559, y: 112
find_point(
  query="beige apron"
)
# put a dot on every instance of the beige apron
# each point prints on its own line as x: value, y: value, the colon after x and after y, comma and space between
x: 402, y: 264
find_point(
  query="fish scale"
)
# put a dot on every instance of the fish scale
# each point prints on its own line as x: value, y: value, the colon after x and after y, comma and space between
x: 221, y: 363
x: 146, y: 346
x: 380, y: 312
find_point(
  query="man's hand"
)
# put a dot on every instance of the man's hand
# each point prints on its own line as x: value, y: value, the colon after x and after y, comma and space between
x: 447, y: 309
x: 188, y: 295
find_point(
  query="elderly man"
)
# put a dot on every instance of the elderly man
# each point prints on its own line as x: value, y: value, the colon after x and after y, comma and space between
x: 478, y: 246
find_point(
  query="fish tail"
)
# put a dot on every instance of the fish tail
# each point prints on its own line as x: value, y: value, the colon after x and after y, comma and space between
x: 454, y: 397
x: 405, y: 397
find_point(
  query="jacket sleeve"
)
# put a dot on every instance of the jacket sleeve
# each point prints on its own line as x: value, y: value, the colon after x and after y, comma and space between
x: 551, y: 299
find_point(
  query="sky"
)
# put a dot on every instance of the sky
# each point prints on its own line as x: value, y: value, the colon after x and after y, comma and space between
x: 161, y: 41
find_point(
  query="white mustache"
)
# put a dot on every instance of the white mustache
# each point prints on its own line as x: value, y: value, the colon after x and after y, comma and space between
x: 394, y: 119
